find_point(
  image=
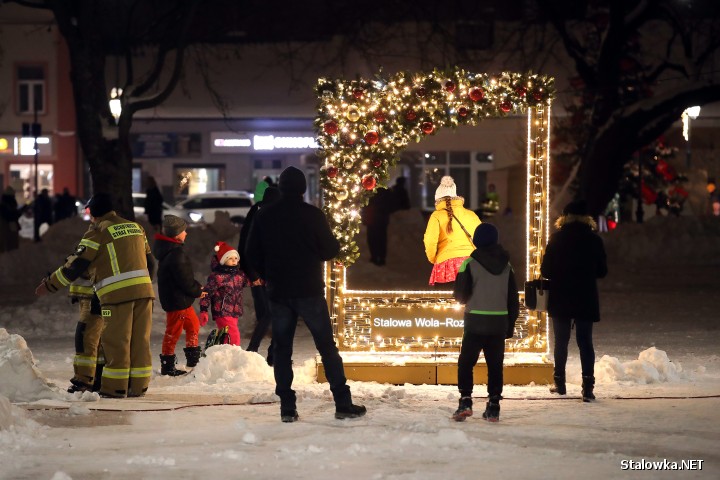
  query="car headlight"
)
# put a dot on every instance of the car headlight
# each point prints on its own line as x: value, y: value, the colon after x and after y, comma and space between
x: 195, y: 217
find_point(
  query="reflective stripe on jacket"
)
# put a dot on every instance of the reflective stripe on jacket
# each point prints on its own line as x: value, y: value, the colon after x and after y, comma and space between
x: 115, y: 252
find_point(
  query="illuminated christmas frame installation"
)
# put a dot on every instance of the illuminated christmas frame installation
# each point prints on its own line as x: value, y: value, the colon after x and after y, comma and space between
x: 363, y: 126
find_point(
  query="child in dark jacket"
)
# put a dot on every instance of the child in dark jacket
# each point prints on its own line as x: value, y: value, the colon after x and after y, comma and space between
x: 224, y: 291
x: 486, y: 285
x: 177, y: 289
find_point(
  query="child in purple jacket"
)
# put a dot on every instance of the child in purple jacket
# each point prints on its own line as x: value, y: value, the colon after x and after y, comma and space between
x: 224, y: 291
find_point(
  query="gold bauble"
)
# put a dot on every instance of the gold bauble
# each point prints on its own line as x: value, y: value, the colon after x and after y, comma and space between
x: 353, y: 115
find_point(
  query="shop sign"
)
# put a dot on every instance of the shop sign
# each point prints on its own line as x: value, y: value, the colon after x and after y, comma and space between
x: 234, y: 142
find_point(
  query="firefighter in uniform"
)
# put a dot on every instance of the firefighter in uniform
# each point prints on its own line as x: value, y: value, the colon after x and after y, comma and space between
x: 89, y: 360
x: 117, y: 255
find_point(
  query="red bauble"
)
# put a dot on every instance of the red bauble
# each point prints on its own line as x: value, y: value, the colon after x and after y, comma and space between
x: 331, y: 172
x: 379, y: 116
x: 421, y: 92
x: 330, y: 127
x: 410, y: 115
x: 377, y: 162
x: 450, y: 86
x: 506, y: 106
x: 476, y: 94
x: 427, y: 127
x: 521, y: 91
x: 369, y: 182
x: 358, y: 93
x: 372, y: 137
x: 463, y: 111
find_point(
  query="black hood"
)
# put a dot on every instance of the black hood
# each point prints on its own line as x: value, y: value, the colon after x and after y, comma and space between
x: 493, y: 257
x: 292, y: 182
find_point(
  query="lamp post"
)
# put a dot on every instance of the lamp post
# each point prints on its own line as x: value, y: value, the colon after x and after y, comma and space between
x: 690, y: 113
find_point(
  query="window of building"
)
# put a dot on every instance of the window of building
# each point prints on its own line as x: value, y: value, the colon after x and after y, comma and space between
x: 191, y: 179
x: 31, y: 89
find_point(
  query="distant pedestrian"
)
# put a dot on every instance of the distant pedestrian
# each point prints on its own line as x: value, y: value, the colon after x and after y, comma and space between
x: 224, y: 291
x: 177, y: 289
x: 574, y: 259
x: 42, y: 212
x: 65, y: 206
x: 9, y: 224
x: 486, y: 286
x: 287, y: 245
x: 447, y: 239
x: 376, y: 217
x: 259, y: 292
x: 401, y: 198
x: 154, y: 204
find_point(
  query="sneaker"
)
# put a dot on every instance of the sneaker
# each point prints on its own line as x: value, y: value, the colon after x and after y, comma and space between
x: 350, y: 411
x: 289, y: 416
x: 464, y: 409
x: 492, y: 412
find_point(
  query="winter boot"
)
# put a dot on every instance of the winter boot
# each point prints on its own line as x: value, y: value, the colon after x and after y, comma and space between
x: 464, y: 409
x: 588, y: 383
x: 349, y: 411
x: 192, y: 355
x: 559, y: 386
x: 78, y: 386
x: 492, y: 410
x: 289, y: 416
x: 167, y: 366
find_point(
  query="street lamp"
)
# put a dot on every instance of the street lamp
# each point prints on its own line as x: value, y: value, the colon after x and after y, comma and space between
x: 690, y: 113
x: 115, y: 104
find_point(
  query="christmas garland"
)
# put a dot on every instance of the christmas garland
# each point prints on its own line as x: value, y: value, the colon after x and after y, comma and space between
x: 364, y: 125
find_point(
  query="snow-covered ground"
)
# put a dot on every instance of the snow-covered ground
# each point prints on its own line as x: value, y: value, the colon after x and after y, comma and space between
x: 658, y: 385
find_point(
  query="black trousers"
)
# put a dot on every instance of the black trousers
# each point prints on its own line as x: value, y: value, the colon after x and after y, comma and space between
x: 493, y: 346
x: 377, y: 242
x: 562, y: 328
x: 262, y: 316
x: 314, y: 312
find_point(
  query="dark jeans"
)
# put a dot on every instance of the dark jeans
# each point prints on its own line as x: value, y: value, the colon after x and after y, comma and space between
x: 314, y: 312
x: 494, y: 348
x: 583, y: 334
x: 262, y: 315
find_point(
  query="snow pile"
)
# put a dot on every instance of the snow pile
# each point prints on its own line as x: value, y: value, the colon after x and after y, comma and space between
x: 21, y: 379
x: 231, y: 364
x: 686, y: 240
x: 16, y: 429
x: 652, y: 366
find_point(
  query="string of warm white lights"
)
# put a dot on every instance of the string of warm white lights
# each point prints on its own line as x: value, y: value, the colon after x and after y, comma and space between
x: 363, y: 126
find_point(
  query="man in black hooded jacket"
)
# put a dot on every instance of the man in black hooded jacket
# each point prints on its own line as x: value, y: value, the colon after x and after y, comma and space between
x: 287, y: 245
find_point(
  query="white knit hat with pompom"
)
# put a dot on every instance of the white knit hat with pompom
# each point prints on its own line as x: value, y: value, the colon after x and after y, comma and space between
x: 446, y: 188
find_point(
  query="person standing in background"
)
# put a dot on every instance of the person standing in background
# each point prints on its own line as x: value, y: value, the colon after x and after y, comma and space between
x: 9, y: 224
x: 574, y: 259
x: 447, y: 239
x: 42, y: 212
x: 154, y: 204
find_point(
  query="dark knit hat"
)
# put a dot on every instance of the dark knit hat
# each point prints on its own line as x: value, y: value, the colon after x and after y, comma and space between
x: 577, y: 207
x: 292, y: 181
x: 485, y: 235
x: 100, y: 204
x: 172, y: 225
x: 272, y: 194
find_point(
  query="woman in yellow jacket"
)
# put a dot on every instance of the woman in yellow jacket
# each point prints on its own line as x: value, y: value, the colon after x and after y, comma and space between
x: 448, y: 236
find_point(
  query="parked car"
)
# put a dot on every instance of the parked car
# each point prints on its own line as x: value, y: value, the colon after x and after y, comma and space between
x: 139, y: 205
x: 201, y: 207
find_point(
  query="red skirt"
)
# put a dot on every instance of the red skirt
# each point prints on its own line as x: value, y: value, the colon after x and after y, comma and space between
x: 446, y: 272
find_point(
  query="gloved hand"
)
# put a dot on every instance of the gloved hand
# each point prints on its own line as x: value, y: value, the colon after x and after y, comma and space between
x: 203, y: 318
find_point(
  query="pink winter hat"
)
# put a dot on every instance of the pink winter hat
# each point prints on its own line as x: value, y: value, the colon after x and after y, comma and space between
x: 224, y: 252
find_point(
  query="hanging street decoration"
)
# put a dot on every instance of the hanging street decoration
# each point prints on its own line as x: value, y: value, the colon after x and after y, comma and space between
x: 364, y: 125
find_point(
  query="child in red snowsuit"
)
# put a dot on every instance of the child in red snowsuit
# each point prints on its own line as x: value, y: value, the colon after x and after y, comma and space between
x: 224, y: 291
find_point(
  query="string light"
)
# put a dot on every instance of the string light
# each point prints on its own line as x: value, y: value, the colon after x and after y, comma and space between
x: 363, y: 126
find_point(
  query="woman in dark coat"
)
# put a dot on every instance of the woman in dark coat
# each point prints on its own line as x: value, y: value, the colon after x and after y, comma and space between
x: 573, y: 261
